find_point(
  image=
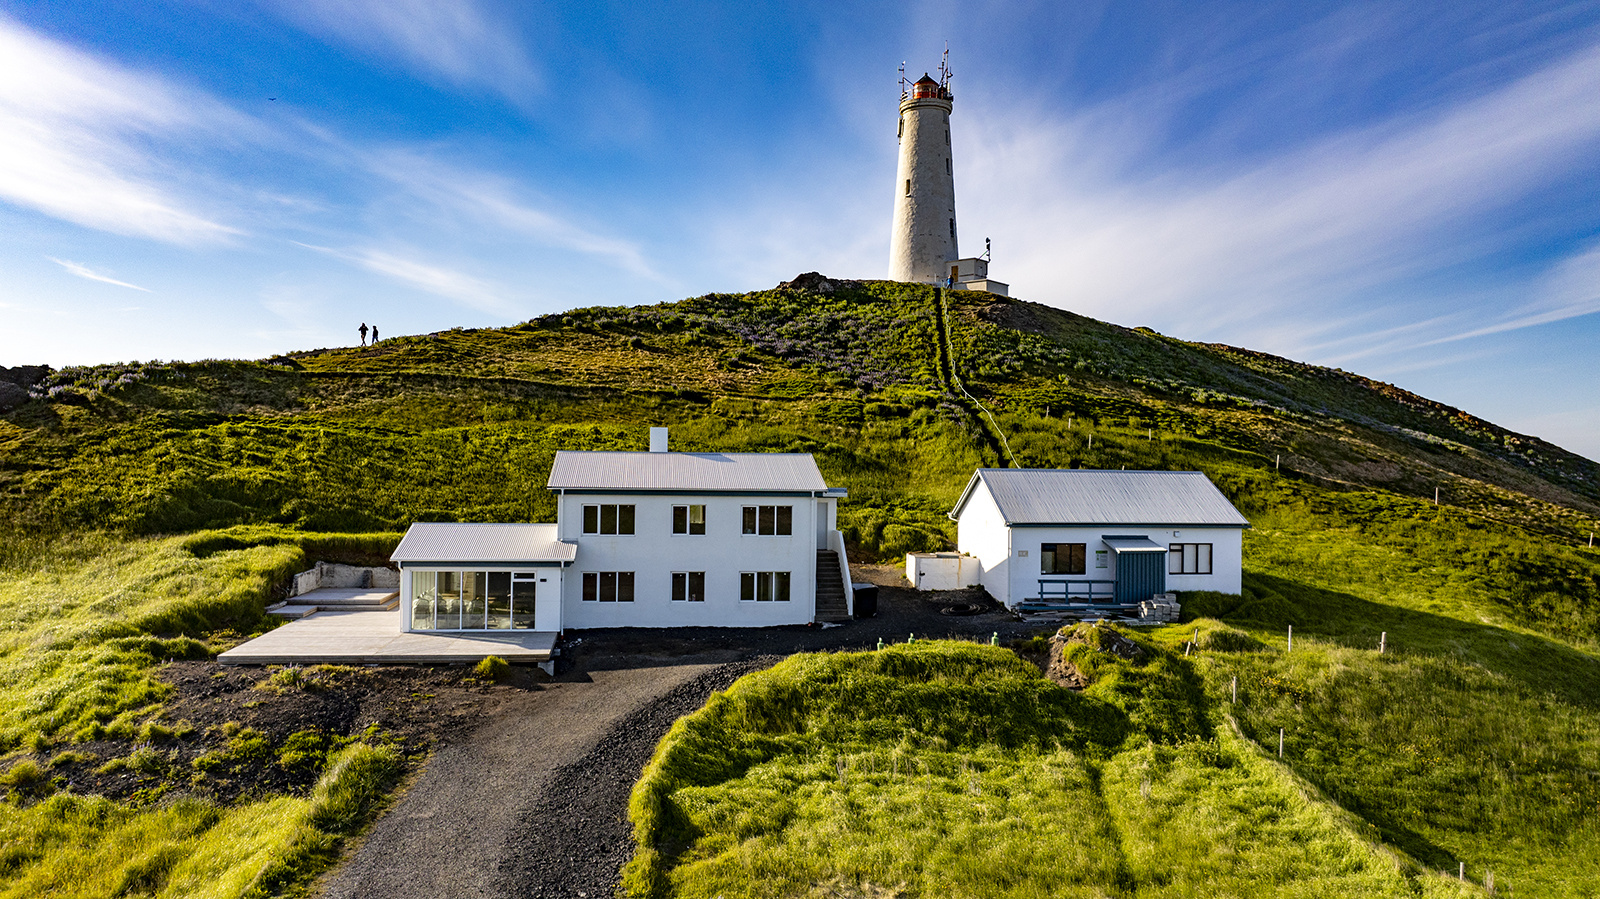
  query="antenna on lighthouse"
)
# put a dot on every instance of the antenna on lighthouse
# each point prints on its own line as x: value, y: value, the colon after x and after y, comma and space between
x: 987, y: 255
x: 902, y: 79
x: 944, y: 68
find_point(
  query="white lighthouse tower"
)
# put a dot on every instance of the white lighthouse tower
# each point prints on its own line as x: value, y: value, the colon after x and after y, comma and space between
x: 922, y: 246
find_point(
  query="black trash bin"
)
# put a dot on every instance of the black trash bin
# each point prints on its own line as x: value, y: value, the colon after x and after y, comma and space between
x: 866, y: 600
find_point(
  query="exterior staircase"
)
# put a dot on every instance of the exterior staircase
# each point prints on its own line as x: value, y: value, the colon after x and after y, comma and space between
x: 831, y: 602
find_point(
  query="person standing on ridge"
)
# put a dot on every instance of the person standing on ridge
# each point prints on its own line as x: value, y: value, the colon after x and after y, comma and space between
x: 374, y: 335
x: 363, y: 333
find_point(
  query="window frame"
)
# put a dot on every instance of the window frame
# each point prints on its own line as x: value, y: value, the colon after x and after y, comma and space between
x: 766, y: 586
x: 1181, y: 556
x: 620, y: 515
x: 621, y: 586
x: 686, y: 526
x: 1050, y: 558
x: 767, y: 521
x: 688, y: 586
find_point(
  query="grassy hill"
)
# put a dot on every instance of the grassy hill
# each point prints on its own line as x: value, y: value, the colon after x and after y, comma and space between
x: 1491, y: 597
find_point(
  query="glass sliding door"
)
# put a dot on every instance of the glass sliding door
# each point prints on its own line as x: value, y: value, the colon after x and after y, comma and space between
x: 499, y: 600
x: 448, y: 617
x: 483, y: 600
x: 522, y: 590
x: 423, y: 594
x: 474, y: 599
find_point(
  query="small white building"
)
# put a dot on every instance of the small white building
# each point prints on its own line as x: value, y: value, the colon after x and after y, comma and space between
x: 943, y: 571
x: 1098, y: 537
x: 652, y: 539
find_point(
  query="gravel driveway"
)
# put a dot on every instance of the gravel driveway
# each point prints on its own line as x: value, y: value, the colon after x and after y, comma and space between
x: 533, y: 802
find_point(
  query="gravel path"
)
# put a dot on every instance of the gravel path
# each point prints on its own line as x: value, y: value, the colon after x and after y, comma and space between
x: 533, y: 802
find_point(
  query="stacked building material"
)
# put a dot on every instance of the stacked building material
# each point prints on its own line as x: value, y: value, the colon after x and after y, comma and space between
x: 1162, y: 608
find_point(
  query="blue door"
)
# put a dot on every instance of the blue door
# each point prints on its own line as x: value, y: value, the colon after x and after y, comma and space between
x: 1140, y: 575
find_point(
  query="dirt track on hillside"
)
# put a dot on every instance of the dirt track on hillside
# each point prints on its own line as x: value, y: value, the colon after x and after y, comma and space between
x: 533, y: 801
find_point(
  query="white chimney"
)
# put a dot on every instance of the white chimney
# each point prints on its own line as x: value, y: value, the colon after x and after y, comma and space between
x: 658, y: 440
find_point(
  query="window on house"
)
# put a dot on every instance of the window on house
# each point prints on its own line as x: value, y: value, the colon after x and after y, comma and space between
x: 769, y: 521
x: 689, y: 520
x: 608, y: 586
x: 608, y: 518
x: 471, y: 600
x: 688, y: 586
x: 1188, y: 558
x: 1061, y: 558
x: 764, y: 586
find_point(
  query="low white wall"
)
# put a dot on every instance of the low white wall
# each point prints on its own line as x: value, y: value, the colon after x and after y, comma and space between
x: 334, y: 574
x: 943, y: 571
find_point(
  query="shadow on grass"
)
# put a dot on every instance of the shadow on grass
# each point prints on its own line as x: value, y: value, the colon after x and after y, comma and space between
x: 1537, y: 663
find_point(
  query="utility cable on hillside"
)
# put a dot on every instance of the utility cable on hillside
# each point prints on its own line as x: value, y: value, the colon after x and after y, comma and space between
x: 950, y: 355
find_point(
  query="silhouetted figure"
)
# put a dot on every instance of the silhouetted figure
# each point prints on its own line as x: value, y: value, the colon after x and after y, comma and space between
x: 363, y: 333
x: 374, y: 335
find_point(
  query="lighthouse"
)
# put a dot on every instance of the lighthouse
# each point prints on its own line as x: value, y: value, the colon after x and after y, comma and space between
x: 922, y: 244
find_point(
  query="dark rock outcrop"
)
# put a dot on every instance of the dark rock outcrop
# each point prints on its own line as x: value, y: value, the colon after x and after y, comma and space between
x: 815, y: 282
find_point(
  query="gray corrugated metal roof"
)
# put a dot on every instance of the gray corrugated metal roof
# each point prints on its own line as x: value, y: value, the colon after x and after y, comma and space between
x: 454, y: 542
x: 1079, y: 496
x: 743, y: 472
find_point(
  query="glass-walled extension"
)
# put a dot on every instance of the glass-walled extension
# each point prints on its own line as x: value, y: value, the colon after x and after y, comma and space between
x: 472, y: 600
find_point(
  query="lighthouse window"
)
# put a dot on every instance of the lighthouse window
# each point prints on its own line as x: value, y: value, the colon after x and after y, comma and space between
x: 952, y: 229
x: 947, y: 137
x: 908, y: 187
x: 947, y: 169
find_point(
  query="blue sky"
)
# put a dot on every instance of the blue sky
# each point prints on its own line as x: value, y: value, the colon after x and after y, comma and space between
x: 1409, y: 191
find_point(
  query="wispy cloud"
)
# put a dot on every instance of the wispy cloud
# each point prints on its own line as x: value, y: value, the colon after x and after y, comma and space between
x: 458, y: 42
x: 83, y: 271
x: 479, y: 198
x: 437, y: 280
x: 1271, y: 244
x: 75, y: 141
x: 1570, y: 289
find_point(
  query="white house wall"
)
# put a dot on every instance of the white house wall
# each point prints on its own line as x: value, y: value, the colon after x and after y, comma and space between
x: 981, y: 531
x: 653, y: 553
x: 1226, y: 556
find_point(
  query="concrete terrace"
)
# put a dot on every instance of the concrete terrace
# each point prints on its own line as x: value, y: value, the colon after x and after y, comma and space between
x: 373, y: 637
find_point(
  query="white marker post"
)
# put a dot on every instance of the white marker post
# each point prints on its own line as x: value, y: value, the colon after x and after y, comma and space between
x: 1280, y: 742
x: 1291, y: 638
x: 1383, y: 638
x: 1277, y: 462
x: 1236, y: 689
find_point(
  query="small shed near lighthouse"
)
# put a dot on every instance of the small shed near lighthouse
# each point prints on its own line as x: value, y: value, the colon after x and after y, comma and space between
x: 1099, y: 539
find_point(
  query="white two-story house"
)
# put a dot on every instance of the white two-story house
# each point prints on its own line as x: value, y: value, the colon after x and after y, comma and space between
x: 642, y: 539
x: 1098, y: 537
